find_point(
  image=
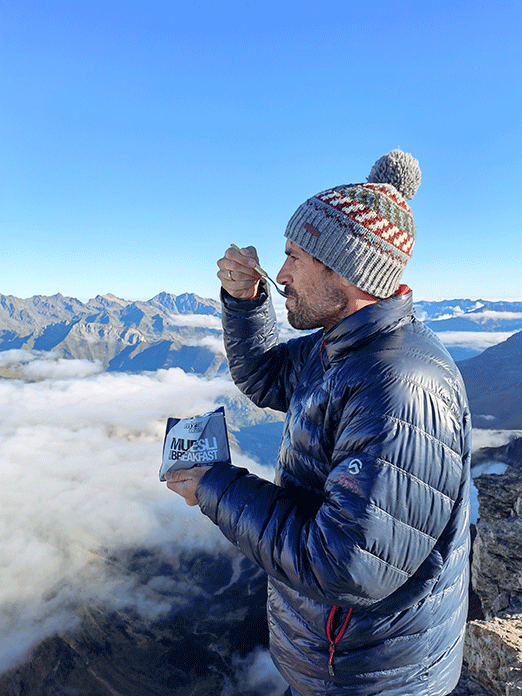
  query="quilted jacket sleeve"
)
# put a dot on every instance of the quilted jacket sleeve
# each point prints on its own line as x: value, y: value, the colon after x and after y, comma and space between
x: 261, y: 368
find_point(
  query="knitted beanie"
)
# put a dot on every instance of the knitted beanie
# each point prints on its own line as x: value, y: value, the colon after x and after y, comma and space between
x: 364, y: 232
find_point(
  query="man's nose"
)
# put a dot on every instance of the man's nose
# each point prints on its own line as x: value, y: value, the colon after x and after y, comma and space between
x: 284, y: 277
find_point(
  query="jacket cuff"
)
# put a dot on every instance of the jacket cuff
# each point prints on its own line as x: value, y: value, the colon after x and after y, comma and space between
x: 213, y: 486
x: 232, y: 303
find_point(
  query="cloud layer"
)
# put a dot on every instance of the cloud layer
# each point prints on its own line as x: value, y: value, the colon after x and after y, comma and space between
x: 79, y: 466
x: 479, y: 340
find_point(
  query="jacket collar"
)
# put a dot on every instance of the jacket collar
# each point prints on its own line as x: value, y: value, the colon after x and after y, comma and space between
x: 381, y: 317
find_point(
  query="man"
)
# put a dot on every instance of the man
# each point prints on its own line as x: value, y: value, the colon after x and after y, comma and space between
x: 364, y: 534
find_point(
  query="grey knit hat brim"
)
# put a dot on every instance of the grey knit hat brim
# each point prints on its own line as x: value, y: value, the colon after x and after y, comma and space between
x: 364, y: 259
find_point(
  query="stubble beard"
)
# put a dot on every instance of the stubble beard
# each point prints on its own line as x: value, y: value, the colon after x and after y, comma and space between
x: 325, y: 312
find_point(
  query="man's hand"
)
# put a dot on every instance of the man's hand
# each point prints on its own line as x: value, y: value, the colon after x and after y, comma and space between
x: 237, y: 273
x: 185, y: 481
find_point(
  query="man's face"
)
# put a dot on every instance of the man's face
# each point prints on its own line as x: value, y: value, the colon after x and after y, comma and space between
x: 316, y: 295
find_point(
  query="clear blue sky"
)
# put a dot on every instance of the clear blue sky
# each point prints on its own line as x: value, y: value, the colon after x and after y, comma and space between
x: 140, y: 138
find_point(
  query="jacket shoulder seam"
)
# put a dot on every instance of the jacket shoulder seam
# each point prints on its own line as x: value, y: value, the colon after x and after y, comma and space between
x: 446, y: 400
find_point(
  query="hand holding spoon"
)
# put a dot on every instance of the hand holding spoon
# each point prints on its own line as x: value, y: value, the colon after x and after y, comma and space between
x: 264, y: 274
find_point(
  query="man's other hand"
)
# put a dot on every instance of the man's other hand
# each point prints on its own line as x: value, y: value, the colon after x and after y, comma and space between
x: 185, y: 481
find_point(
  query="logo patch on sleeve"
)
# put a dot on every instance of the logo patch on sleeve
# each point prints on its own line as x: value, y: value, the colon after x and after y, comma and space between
x: 354, y: 466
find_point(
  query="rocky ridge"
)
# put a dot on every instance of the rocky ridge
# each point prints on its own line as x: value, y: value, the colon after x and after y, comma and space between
x: 217, y: 619
x: 493, y: 647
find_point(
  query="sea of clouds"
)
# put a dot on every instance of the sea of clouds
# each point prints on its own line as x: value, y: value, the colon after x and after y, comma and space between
x: 80, y: 451
x: 475, y: 340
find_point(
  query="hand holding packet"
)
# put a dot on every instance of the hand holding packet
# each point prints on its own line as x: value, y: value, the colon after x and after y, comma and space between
x: 197, y: 441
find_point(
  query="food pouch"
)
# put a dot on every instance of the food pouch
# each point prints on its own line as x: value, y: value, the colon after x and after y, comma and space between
x: 197, y: 441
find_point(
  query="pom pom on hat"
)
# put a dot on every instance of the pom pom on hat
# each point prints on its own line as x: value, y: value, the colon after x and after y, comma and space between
x: 400, y: 169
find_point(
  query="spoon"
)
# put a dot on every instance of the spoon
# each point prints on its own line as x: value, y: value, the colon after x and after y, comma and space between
x: 264, y: 274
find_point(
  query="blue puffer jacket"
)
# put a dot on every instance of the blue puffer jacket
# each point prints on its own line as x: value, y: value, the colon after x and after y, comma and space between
x: 369, y: 511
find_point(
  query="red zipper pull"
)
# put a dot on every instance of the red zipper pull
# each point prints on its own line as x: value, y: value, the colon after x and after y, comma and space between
x: 335, y: 639
x: 331, y: 670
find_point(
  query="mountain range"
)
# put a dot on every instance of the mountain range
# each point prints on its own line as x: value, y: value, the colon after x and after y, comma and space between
x: 470, y: 315
x: 122, y: 335
x: 184, y: 331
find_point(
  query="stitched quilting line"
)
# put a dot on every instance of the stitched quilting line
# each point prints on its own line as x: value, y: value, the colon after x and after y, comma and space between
x: 402, y: 523
x: 424, y: 434
x: 416, y: 479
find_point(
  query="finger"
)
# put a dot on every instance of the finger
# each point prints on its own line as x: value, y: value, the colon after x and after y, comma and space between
x: 181, y: 475
x: 243, y: 257
x: 178, y: 475
x: 185, y: 489
x: 240, y: 274
x: 239, y: 261
x: 251, y: 251
x: 245, y: 289
x: 188, y: 496
x: 237, y: 273
x: 238, y: 281
x: 242, y: 284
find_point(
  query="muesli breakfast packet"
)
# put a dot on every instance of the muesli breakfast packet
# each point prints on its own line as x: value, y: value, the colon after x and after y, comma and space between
x: 197, y: 441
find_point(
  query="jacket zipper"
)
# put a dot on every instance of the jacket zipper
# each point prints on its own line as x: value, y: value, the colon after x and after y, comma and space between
x: 322, y: 358
x: 330, y: 634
